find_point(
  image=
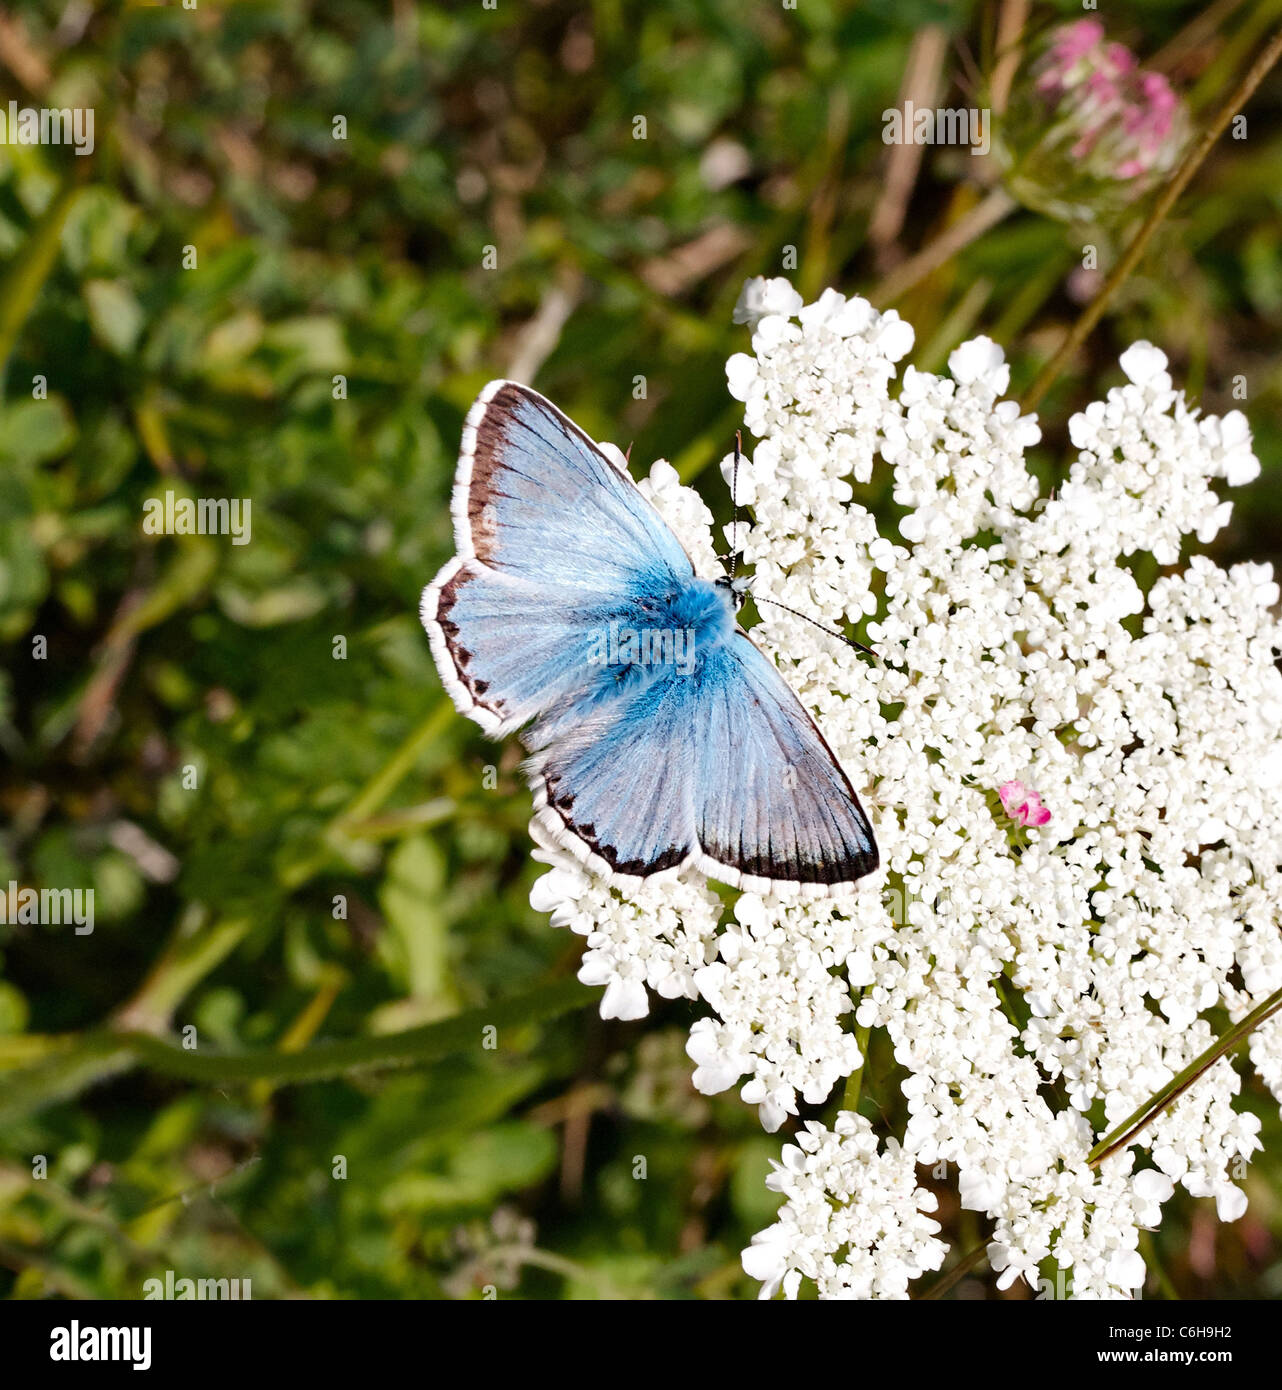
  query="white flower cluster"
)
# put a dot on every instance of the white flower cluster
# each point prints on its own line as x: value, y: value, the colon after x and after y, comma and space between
x: 781, y: 990
x: 1088, y: 1223
x: 1038, y: 982
x: 659, y: 939
x: 779, y: 979
x: 852, y: 1220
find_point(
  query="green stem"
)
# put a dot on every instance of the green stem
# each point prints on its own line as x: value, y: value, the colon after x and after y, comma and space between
x: 186, y: 961
x: 969, y: 227
x: 371, y: 796
x: 393, y: 823
x: 384, y: 783
x: 428, y: 1043
x: 958, y: 1272
x: 30, y: 268
x: 855, y: 1081
x: 554, y: 1264
x: 1166, y: 201
x: 94, y: 1056
x: 1140, y: 1118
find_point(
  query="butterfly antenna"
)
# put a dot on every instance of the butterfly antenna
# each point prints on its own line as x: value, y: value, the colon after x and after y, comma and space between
x: 734, y: 498
x: 734, y: 561
x: 805, y: 617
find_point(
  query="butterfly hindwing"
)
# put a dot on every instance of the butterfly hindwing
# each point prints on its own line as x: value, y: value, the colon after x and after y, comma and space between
x: 723, y: 770
x: 615, y: 788
x: 772, y: 803
x: 505, y: 647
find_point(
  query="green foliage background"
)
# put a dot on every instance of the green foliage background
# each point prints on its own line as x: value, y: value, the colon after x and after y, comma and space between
x: 316, y: 777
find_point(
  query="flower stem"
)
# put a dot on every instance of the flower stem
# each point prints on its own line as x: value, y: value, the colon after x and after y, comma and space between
x: 1166, y: 201
x: 556, y: 1264
x: 855, y: 1081
x: 958, y: 1272
x: 86, y: 1059
x: 1139, y: 1119
x: 381, y: 786
x: 981, y: 218
x: 354, y: 820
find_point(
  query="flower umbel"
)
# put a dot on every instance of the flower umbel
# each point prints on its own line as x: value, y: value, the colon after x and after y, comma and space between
x: 1014, y: 636
x: 853, y: 1219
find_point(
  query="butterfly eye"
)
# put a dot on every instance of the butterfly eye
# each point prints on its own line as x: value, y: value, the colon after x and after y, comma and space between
x: 739, y: 587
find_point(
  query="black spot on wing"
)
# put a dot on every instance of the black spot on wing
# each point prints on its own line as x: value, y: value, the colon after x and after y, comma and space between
x: 445, y: 602
x: 850, y: 865
x: 562, y: 803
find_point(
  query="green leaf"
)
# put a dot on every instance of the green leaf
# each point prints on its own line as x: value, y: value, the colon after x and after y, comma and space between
x: 115, y: 314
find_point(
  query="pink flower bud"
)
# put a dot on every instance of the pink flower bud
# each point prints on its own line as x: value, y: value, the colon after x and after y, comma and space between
x: 1086, y: 131
x: 1022, y: 804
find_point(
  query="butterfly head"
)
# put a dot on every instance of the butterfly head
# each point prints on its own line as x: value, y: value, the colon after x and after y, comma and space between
x: 738, y: 587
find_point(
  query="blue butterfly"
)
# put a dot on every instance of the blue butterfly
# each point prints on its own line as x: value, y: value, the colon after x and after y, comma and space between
x: 659, y: 735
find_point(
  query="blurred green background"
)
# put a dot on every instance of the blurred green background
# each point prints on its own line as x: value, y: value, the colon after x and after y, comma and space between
x: 332, y: 773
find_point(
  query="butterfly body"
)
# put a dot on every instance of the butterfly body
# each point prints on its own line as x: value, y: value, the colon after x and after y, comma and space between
x: 660, y: 636
x: 660, y: 737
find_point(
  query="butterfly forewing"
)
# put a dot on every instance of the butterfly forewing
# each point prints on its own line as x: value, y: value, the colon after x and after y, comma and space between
x: 536, y: 499
x: 551, y: 539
